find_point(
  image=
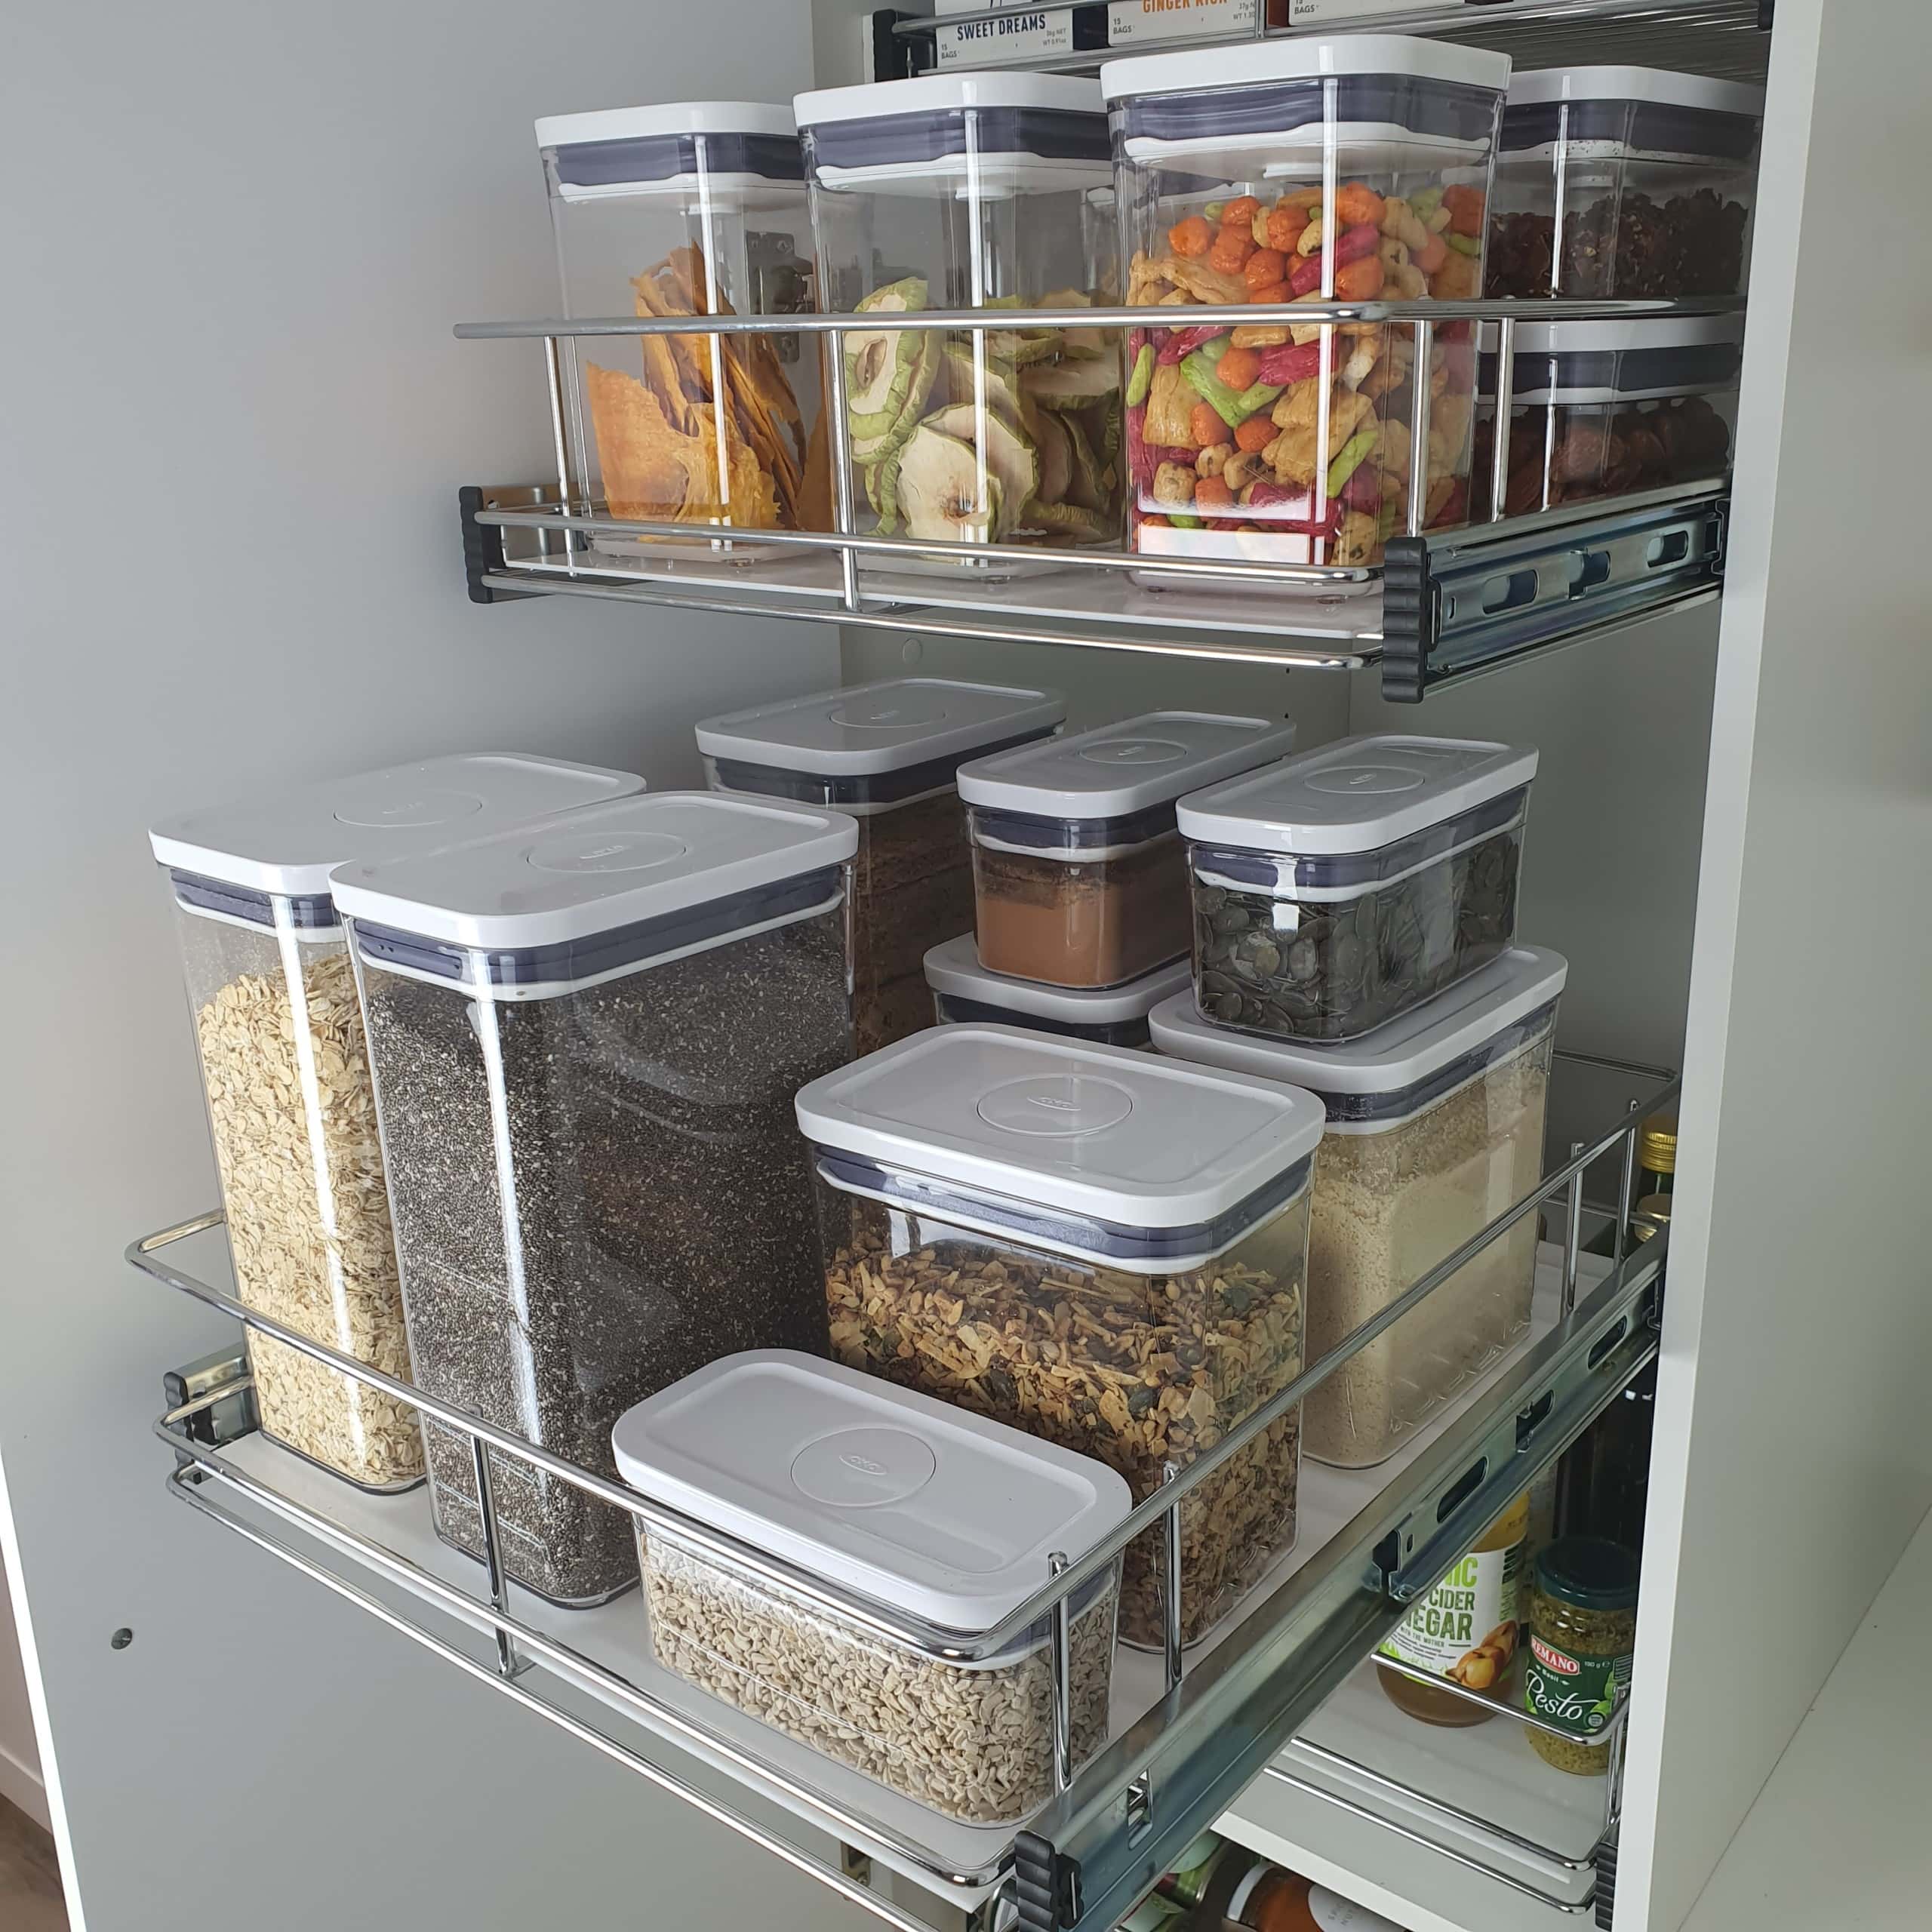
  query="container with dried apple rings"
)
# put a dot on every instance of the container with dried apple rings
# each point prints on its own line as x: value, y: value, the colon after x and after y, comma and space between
x: 1352, y: 169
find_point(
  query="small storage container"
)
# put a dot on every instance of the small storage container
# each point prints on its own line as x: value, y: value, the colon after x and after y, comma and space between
x: 965, y: 993
x: 1601, y: 409
x: 1103, y: 1249
x: 1335, y: 891
x: 919, y: 1509
x: 971, y: 191
x: 1624, y: 182
x: 887, y: 754
x: 286, y: 1071
x: 1354, y: 167
x: 688, y: 208
x: 1079, y: 878
x: 1435, y: 1126
x: 585, y: 1041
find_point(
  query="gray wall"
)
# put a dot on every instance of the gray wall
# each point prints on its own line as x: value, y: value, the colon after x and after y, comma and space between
x: 235, y: 421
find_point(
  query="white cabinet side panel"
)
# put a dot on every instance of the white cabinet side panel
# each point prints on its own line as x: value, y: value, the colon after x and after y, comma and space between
x: 1792, y: 1460
x: 235, y: 422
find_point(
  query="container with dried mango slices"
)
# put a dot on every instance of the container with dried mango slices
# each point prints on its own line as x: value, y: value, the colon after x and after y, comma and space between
x: 1352, y: 168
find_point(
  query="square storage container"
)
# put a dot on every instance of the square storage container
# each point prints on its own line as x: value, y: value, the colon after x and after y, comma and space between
x: 973, y: 191
x: 1335, y: 891
x: 1625, y: 182
x: 1602, y: 409
x: 965, y: 993
x: 888, y: 754
x: 585, y: 1041
x: 285, y: 1071
x: 1355, y: 167
x: 1079, y: 878
x: 1435, y: 1126
x: 1103, y: 1249
x: 688, y: 208
x: 913, y: 1506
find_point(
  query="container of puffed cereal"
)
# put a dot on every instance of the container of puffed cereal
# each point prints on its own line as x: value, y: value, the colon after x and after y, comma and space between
x: 286, y: 1073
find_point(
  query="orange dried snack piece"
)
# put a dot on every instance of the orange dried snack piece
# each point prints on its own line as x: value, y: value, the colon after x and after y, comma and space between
x: 1264, y: 266
x: 1230, y: 251
x: 1286, y: 226
x: 1303, y: 199
x: 1466, y: 209
x: 1456, y: 280
x: 1238, y: 368
x: 1430, y: 258
x: 1191, y: 236
x: 1273, y: 291
x: 1255, y: 435
x: 1360, y: 281
x: 1210, y: 493
x: 1356, y: 202
x: 1205, y: 421
x: 1241, y: 209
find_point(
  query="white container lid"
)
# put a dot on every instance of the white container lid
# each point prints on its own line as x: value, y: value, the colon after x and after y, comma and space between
x: 1250, y: 63
x: 1334, y: 1913
x: 289, y: 841
x: 954, y: 970
x: 1099, y: 1131
x: 1398, y: 1055
x: 1123, y: 768
x: 939, y: 94
x: 882, y: 1491
x: 604, y: 867
x: 675, y: 117
x: 1355, y: 794
x: 1536, y: 86
x: 882, y: 726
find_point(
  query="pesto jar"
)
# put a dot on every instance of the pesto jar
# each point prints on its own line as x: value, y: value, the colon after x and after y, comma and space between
x: 1583, y: 1632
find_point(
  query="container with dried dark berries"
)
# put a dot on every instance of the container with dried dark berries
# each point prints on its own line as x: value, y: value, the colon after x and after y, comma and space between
x: 1335, y: 891
x: 1627, y: 182
x: 1103, y: 1248
x: 585, y: 1039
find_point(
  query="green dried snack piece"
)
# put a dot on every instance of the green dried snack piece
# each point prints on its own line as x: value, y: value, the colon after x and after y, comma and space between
x: 1139, y: 383
x: 1465, y: 245
x: 1199, y: 370
x: 1354, y: 453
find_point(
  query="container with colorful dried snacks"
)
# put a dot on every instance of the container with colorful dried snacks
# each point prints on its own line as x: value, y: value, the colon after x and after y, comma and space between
x: 1354, y: 168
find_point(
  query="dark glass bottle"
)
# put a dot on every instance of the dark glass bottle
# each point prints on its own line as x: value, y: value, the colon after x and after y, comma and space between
x: 1603, y: 1480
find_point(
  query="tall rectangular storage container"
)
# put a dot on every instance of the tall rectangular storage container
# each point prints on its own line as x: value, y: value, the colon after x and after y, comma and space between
x: 586, y: 1043
x: 285, y: 1070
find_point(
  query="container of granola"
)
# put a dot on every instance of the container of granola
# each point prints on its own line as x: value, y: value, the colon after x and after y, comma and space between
x: 1335, y: 891
x: 687, y: 208
x: 1103, y: 1248
x: 1434, y: 1127
x: 964, y: 992
x: 1623, y: 182
x: 916, y: 1507
x: 1602, y: 409
x: 1079, y: 875
x: 285, y: 1070
x: 971, y: 191
x: 886, y: 754
x: 1354, y: 168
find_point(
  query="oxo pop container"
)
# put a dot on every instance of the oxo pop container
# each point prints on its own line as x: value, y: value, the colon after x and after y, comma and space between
x: 1103, y: 1249
x: 1079, y: 878
x: 1601, y: 409
x: 887, y: 754
x: 286, y: 1070
x: 1335, y: 891
x: 919, y: 1510
x: 974, y: 191
x: 965, y: 993
x: 1352, y: 167
x: 1435, y: 1126
x: 585, y: 1040
x: 687, y: 208
x: 1624, y: 182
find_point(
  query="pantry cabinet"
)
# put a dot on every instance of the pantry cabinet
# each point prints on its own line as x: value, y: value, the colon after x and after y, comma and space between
x: 1729, y: 692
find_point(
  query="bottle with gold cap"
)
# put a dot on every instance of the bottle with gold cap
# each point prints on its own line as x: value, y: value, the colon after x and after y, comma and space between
x: 1656, y: 1154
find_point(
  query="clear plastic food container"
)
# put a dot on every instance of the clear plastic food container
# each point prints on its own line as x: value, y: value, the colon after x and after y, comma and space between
x: 586, y: 1040
x: 688, y: 208
x: 286, y: 1073
x: 887, y: 754
x: 965, y: 993
x: 975, y: 191
x: 1335, y: 891
x: 1354, y: 167
x: 1625, y: 182
x: 1079, y: 878
x: 916, y: 1507
x: 1105, y: 1249
x: 1435, y: 1126
x: 1601, y: 409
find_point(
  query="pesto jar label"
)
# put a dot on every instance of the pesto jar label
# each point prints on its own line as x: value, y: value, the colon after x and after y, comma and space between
x: 1575, y: 1692
x: 1466, y: 1627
